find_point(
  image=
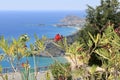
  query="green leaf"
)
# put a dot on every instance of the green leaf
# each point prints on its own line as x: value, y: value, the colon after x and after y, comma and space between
x: 91, y: 37
x: 93, y: 69
x: 89, y: 43
x: 102, y: 53
x: 97, y: 38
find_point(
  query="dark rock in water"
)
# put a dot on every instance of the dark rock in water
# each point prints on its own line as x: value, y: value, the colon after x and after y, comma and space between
x: 53, y: 50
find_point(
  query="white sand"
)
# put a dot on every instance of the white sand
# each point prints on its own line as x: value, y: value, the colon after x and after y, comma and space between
x: 70, y: 61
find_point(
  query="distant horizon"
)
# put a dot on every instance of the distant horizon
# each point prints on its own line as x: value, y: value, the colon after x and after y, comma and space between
x: 14, y: 24
x: 43, y: 10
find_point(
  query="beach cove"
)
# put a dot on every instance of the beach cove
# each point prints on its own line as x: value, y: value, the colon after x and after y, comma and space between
x: 43, y: 61
x: 28, y: 23
x: 9, y: 31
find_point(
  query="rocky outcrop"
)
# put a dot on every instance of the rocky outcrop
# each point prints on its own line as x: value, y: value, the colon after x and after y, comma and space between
x: 72, y: 38
x: 71, y: 20
x: 52, y: 49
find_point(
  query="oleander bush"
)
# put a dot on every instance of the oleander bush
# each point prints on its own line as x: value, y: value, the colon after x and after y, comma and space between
x: 61, y: 71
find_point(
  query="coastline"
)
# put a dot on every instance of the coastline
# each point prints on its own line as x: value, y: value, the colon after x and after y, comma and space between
x: 70, y: 61
x: 71, y: 38
x: 77, y: 30
x: 56, y: 51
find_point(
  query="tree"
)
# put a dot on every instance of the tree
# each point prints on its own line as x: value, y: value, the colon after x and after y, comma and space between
x: 107, y: 11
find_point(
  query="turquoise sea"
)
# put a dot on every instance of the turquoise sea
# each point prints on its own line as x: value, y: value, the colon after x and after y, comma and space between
x: 15, y: 23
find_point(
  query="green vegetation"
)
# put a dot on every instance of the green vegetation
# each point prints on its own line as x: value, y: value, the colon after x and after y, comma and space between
x: 16, y: 50
x: 59, y: 73
x: 107, y: 11
x: 104, y: 47
x: 100, y: 44
x: 97, y: 20
x: 95, y: 55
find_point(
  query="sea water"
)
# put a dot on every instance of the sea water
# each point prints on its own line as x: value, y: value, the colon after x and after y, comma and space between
x: 15, y: 23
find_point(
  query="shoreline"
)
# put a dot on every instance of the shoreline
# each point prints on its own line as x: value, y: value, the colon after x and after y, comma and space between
x: 57, y: 51
x: 70, y: 61
x: 77, y: 30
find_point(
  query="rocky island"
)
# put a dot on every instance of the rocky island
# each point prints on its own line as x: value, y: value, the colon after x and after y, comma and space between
x: 71, y: 21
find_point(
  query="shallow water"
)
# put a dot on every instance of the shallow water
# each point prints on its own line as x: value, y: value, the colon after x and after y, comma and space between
x: 15, y: 23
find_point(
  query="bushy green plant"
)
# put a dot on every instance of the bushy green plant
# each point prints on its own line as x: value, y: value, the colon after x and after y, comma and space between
x: 110, y: 43
x: 106, y: 46
x: 14, y: 50
x: 17, y: 49
x: 59, y: 73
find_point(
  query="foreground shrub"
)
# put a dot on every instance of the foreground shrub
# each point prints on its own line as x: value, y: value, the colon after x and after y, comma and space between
x: 61, y: 72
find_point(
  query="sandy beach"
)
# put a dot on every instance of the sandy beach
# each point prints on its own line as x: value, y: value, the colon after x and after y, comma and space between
x: 70, y: 61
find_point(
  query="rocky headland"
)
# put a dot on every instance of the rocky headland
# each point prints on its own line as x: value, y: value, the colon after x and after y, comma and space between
x: 71, y: 21
x: 68, y: 21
